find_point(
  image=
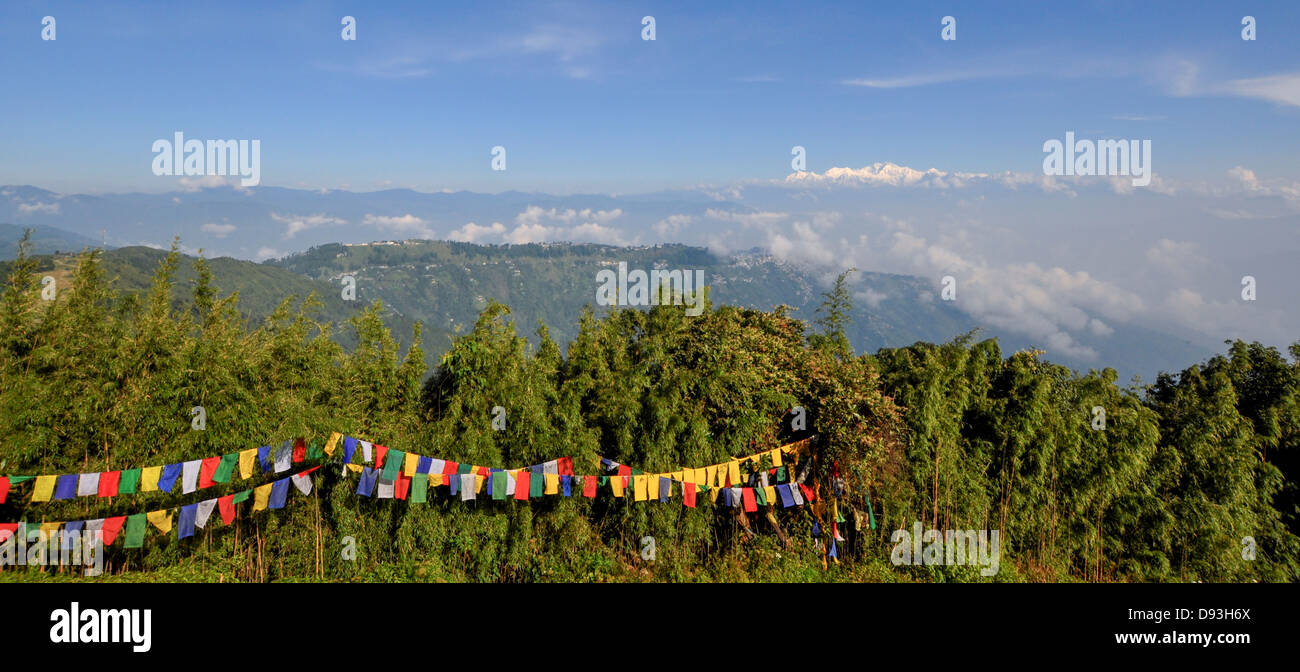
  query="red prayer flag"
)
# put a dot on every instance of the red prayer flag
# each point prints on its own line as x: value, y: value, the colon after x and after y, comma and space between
x: 589, y: 486
x: 450, y: 468
x: 7, y: 529
x: 747, y: 495
x: 380, y: 452
x: 624, y: 470
x: 484, y: 472
x: 521, y: 484
x: 111, y: 527
x: 4, y: 489
x: 207, y: 469
x: 227, y: 507
x: 688, y: 494
x: 808, y: 493
x: 566, y: 466
x: 401, y: 486
x: 108, y: 481
x: 299, y: 450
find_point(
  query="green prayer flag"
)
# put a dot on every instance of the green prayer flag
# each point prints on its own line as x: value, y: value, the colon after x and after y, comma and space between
x: 316, y: 451
x: 15, y: 480
x: 780, y: 474
x: 226, y: 468
x: 392, y: 465
x: 135, y: 527
x: 129, y: 481
x: 241, y: 496
x: 535, y: 484
x: 498, y: 485
x: 604, y: 480
x: 419, y: 488
x: 760, y: 496
x: 871, y: 511
x: 464, y: 468
x: 637, y: 472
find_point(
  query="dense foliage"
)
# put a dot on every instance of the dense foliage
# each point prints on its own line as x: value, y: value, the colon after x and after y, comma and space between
x: 953, y: 435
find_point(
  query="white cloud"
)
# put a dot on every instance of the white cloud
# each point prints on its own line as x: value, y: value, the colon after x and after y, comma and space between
x: 38, y: 208
x: 218, y: 230
x: 474, y: 233
x: 264, y: 253
x: 296, y: 224
x: 672, y: 224
x: 406, y: 225
x: 1175, y: 257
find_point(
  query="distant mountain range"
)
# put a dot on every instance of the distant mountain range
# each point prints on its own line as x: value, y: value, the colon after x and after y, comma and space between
x: 445, y: 284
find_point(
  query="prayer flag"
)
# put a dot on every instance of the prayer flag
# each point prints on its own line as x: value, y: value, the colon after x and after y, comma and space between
x: 726, y: 497
x: 149, y: 479
x: 207, y: 470
x: 261, y: 496
x: 784, y: 491
x: 424, y: 465
x: 367, y: 449
x: 225, y: 468
x: 88, y: 484
x: 227, y: 507
x: 161, y: 520
x: 760, y: 496
x: 419, y: 488
x: 4, y: 488
x: 381, y: 453
x: 401, y: 486
x: 279, y: 493
x: 242, y: 496
x: 776, y: 457
x: 733, y: 472
x: 617, y: 484
x: 412, y: 461
x: 332, y: 444
x: 467, y: 486
x: 536, y: 483
x: 129, y: 482
x: 710, y: 475
x: 523, y: 484
x: 349, y: 447
x: 284, y: 457
x: 566, y: 483
x: 66, y: 486
x: 386, y: 489
x: 135, y: 526
x: 111, y: 527
x: 44, y: 488
x: 665, y: 488
x: 204, y: 511
x: 808, y: 493
x: 170, y: 472
x: 299, y: 450
x: 108, y: 482
x: 794, y: 492
x: 246, y: 459
x: 264, y: 458
x: 190, y: 475
x: 747, y: 495
x: 688, y: 494
x: 302, y: 482
x: 769, y: 494
x: 589, y: 486
x: 499, y: 485
x: 392, y: 464
x: 185, y: 527
x: 552, y: 483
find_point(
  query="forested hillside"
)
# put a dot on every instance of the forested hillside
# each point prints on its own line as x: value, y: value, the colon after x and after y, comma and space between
x: 959, y: 435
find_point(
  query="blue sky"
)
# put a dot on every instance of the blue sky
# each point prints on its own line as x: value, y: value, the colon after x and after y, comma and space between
x: 583, y: 104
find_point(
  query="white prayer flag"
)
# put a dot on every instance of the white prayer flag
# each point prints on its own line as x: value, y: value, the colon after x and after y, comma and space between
x: 190, y: 476
x: 88, y: 484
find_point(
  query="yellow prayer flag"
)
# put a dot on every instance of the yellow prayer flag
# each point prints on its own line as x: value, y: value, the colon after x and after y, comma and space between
x: 479, y: 479
x: 51, y: 532
x: 733, y: 471
x: 776, y: 457
x: 149, y: 478
x: 412, y: 461
x: 552, y: 484
x: 162, y: 519
x: 247, y: 459
x: 677, y: 475
x: 638, y: 485
x: 332, y: 444
x: 713, y: 492
x: 44, y: 488
x: 770, y: 493
x: 710, y: 475
x: 354, y: 467
x: 261, y: 495
x: 616, y: 484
